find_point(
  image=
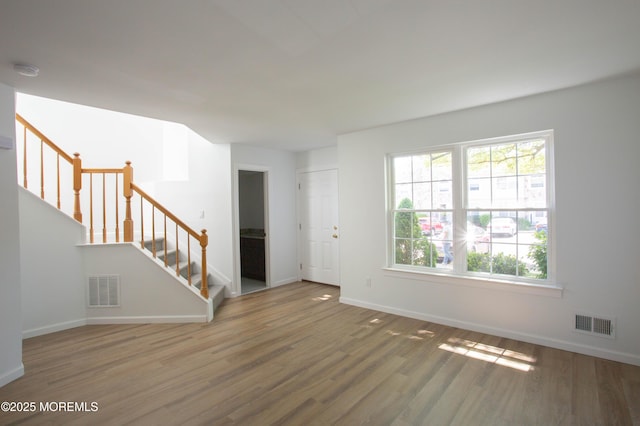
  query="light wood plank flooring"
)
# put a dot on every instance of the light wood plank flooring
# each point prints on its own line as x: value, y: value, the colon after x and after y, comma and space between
x: 294, y: 355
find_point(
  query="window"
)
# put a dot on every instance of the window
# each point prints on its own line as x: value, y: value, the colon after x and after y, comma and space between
x: 489, y: 200
x: 423, y: 188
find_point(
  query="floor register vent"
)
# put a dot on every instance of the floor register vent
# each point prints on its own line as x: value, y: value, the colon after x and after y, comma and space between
x: 595, y: 325
x: 104, y: 291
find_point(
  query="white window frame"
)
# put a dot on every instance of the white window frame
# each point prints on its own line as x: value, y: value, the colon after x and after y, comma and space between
x: 459, y: 274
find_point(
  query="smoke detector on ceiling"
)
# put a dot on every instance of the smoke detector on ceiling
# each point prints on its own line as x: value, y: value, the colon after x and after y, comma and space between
x: 26, y: 69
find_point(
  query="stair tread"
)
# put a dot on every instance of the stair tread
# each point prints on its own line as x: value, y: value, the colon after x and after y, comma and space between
x: 216, y: 291
x: 162, y: 252
x: 196, y: 280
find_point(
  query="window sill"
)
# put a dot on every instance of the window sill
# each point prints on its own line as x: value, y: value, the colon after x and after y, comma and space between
x: 548, y: 290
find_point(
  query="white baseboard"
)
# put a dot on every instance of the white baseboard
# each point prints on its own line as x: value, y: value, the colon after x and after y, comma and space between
x: 33, y: 332
x: 147, y: 319
x: 626, y: 358
x: 116, y: 320
x: 285, y: 281
x: 12, y: 375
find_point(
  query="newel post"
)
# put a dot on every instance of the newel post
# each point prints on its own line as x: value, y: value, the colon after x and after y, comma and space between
x: 204, y: 287
x: 77, y: 186
x: 127, y: 179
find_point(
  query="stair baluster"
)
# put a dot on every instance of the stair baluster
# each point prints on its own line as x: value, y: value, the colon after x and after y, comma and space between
x: 204, y: 241
x: 129, y: 188
x: 127, y: 192
x: 77, y: 185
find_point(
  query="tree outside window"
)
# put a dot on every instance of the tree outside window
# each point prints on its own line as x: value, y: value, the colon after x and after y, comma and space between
x: 501, y: 221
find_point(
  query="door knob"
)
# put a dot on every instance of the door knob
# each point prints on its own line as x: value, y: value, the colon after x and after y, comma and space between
x: 335, y: 235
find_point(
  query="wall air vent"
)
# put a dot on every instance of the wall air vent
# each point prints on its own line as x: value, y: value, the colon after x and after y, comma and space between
x: 596, y: 325
x: 583, y: 323
x: 104, y: 291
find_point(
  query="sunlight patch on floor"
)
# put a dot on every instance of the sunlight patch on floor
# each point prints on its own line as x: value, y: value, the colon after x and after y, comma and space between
x: 488, y: 353
x: 322, y: 298
x: 420, y: 334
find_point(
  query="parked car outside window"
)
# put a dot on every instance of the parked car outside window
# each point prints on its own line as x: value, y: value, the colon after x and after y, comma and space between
x: 502, y: 226
x: 541, y: 225
x: 429, y: 226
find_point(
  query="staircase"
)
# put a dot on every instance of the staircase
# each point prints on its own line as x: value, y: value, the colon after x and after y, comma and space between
x: 107, y: 193
x: 188, y: 272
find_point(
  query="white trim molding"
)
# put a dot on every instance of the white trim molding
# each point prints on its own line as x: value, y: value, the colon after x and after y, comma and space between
x: 170, y: 319
x: 12, y: 375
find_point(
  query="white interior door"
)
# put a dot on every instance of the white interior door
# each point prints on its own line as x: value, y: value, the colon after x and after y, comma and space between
x: 319, y: 230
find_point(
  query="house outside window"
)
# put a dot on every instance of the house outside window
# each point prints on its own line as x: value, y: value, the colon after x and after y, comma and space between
x: 481, y: 208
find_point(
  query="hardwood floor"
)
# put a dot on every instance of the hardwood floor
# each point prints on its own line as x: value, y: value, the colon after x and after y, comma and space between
x: 294, y: 355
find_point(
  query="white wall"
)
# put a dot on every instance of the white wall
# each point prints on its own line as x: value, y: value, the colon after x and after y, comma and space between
x: 103, y: 138
x: 147, y: 292
x: 52, y: 277
x: 54, y: 294
x: 10, y: 319
x: 281, y: 226
x: 204, y: 201
x: 317, y: 159
x: 596, y: 155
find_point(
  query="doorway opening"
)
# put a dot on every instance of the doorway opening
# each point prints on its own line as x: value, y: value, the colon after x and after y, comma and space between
x: 253, y: 236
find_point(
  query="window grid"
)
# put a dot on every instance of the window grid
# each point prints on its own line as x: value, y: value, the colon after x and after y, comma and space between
x: 505, y: 221
x: 417, y: 218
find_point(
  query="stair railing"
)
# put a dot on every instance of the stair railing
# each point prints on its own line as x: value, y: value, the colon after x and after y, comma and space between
x: 202, y: 238
x: 102, y: 175
x: 76, y: 175
x: 58, y: 152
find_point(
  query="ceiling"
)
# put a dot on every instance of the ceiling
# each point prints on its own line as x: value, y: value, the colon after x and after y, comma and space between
x: 293, y: 74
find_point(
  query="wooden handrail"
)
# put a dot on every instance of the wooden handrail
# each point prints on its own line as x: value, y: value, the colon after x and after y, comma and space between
x: 129, y: 187
x: 202, y: 237
x: 102, y: 171
x: 165, y: 211
x: 44, y: 139
x: 29, y: 129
